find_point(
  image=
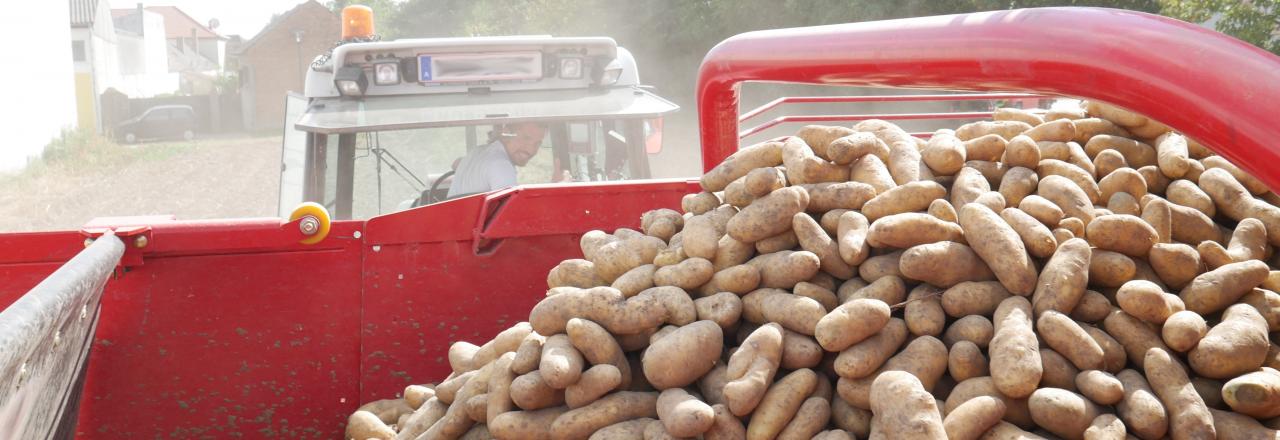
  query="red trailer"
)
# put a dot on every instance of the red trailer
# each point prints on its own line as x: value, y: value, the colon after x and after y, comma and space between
x: 234, y: 329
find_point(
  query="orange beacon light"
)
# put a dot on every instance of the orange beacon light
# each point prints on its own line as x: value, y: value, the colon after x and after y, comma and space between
x: 357, y: 22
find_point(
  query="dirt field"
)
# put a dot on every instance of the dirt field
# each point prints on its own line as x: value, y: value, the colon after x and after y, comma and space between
x: 207, y: 178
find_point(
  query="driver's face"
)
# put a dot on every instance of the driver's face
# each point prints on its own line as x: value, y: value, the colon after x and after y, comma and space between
x: 524, y: 142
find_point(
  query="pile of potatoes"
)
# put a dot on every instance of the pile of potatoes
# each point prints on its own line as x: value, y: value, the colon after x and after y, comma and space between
x: 1077, y: 274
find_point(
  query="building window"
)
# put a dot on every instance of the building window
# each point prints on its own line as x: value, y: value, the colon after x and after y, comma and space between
x: 77, y: 51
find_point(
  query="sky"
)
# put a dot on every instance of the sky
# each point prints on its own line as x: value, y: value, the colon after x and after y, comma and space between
x: 243, y: 17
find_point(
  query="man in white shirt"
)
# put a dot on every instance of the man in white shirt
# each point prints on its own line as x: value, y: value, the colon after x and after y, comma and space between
x: 494, y: 166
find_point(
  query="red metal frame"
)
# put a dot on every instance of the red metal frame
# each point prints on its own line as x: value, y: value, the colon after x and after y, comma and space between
x: 1150, y: 64
x: 841, y: 118
x: 881, y: 98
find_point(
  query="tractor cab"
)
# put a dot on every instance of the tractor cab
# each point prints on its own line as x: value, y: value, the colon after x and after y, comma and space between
x: 383, y: 125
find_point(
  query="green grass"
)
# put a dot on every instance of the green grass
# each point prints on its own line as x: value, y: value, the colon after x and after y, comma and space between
x: 84, y: 151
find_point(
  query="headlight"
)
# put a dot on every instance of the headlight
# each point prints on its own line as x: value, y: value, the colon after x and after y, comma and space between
x: 386, y: 74
x: 350, y: 81
x: 571, y: 68
x: 610, y: 73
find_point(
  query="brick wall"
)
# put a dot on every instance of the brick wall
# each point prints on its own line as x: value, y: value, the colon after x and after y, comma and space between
x: 273, y: 59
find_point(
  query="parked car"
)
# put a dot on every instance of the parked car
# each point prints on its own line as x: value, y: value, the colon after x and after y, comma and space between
x: 159, y: 122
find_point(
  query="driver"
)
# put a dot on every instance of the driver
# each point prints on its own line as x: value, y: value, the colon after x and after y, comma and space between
x: 494, y: 166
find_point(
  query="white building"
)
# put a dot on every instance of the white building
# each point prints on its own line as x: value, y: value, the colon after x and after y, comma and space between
x: 143, y: 58
x: 93, y: 49
x: 44, y: 100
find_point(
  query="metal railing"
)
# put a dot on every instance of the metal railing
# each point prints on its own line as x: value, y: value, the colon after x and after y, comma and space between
x: 45, y: 338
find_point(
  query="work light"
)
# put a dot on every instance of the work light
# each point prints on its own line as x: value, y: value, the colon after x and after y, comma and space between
x: 350, y: 81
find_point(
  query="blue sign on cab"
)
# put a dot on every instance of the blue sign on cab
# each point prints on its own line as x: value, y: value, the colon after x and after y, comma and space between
x: 424, y: 68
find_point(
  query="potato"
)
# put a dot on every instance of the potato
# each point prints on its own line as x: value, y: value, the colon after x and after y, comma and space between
x: 1035, y: 236
x: 417, y: 423
x: 780, y: 404
x: 813, y: 239
x: 965, y: 361
x: 751, y: 369
x: 682, y: 414
x: 725, y: 426
x: 1062, y: 412
x: 1006, y: 129
x: 1107, y: 161
x: 1183, y: 330
x: 944, y: 153
x: 851, y: 323
x: 1113, y: 354
x: 924, y: 357
x: 628, y: 430
x: 1136, y: 154
x: 889, y: 289
x: 1186, y: 193
x: 594, y: 383
x: 617, y: 407
x: 1058, y: 371
x: 1041, y: 209
x: 944, y: 264
x: 1125, y: 234
x: 904, y: 409
x: 784, y: 269
x: 1140, y: 409
x: 530, y: 392
x: 864, y: 358
x: 768, y: 215
x: 1014, y: 351
x: 687, y: 274
x: 1007, y: 431
x: 1093, y: 307
x: 969, y: 184
x: 1255, y: 186
x: 561, y: 363
x: 1123, y: 203
x: 613, y: 259
x: 819, y: 137
x: 724, y: 308
x: 1000, y: 247
x: 1016, y: 410
x: 973, y: 328
x: 987, y: 147
x: 851, y: 238
x: 777, y: 243
x: 812, y: 416
x: 1136, y: 336
x: 923, y: 312
x: 910, y: 229
x: 730, y: 252
x: 849, y: 418
x: 1268, y: 305
x: 796, y: 313
x: 1189, y: 417
x: 1176, y: 263
x: 1068, y: 197
x: 1100, y: 387
x: 1060, y: 130
x: 1234, y: 201
x: 698, y: 345
x: 880, y: 266
x: 741, y: 162
x: 1230, y: 425
x: 1147, y: 301
x: 1105, y: 427
x: 1213, y: 291
x: 827, y: 196
x: 698, y: 203
x: 851, y: 147
x: 576, y: 273
x: 817, y: 293
x: 636, y: 280
x: 366, y: 425
x: 739, y: 280
x: 973, y: 298
x: 1067, y: 338
x: 1235, y: 346
x: 1064, y: 279
x: 1016, y: 114
x: 872, y: 170
x: 904, y: 161
x: 1248, y: 242
x: 1079, y: 176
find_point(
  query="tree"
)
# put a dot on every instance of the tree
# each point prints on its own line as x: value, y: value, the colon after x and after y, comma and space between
x: 1254, y: 21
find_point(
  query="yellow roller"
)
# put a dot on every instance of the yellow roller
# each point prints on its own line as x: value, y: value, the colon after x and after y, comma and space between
x: 319, y: 214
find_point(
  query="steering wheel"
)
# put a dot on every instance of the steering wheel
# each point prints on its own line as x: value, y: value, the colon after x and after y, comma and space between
x: 428, y: 195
